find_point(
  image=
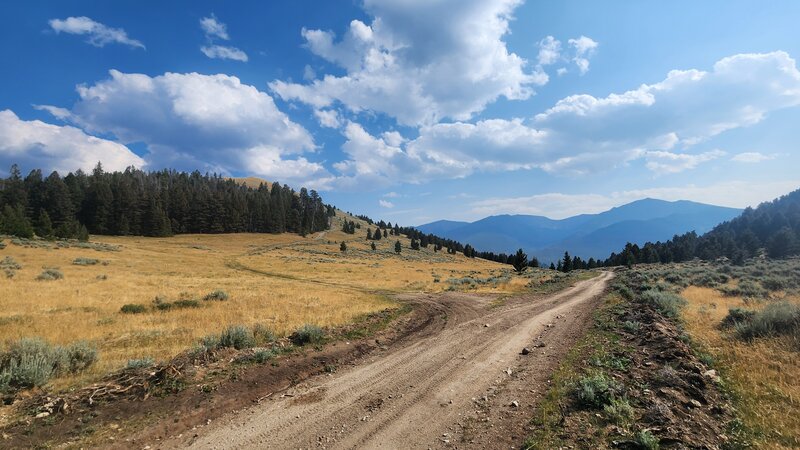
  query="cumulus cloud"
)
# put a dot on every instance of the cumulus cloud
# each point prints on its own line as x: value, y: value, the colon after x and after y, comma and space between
x: 98, y: 34
x: 736, y: 194
x: 223, y: 52
x: 658, y: 123
x: 193, y: 121
x: 411, y: 65
x: 549, y: 51
x: 667, y: 162
x: 385, y: 204
x: 214, y: 29
x: 751, y: 157
x: 584, y: 48
x: 328, y: 118
x: 36, y: 144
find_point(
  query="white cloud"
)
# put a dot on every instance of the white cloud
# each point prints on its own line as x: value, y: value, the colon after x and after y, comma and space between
x: 667, y: 162
x: 328, y: 118
x: 224, y: 52
x: 736, y: 194
x: 410, y: 64
x: 36, y: 144
x: 562, y: 71
x: 55, y: 111
x: 549, y: 51
x: 192, y: 121
x: 308, y: 73
x: 391, y: 194
x: 584, y: 48
x: 213, y: 28
x: 385, y: 204
x: 752, y: 157
x: 658, y: 123
x: 99, y: 34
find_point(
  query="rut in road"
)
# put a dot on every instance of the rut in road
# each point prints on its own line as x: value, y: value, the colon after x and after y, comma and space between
x: 411, y: 396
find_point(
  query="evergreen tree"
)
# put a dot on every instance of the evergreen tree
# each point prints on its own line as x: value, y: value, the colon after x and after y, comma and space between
x: 14, y: 222
x: 369, y: 234
x: 520, y: 261
x: 552, y: 266
x: 377, y: 235
x: 414, y: 244
x: 372, y: 245
x: 398, y: 247
x: 44, y: 226
x: 385, y: 234
x: 343, y: 247
x: 566, y: 264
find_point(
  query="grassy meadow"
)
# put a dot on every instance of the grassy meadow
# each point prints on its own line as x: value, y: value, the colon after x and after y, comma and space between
x: 747, y: 319
x: 190, y: 286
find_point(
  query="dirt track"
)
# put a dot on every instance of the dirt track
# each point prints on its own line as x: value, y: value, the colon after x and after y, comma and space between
x: 444, y: 386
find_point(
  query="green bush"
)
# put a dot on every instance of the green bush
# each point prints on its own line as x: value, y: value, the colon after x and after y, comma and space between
x: 777, y: 319
x: 133, y: 308
x: 85, y: 261
x: 210, y: 342
x: 645, y: 440
x: 668, y: 303
x: 737, y: 315
x: 623, y: 290
x: 31, y: 362
x: 263, y: 334
x: 308, y: 334
x: 50, y: 275
x: 619, y: 411
x: 218, y: 295
x: 631, y: 326
x: 263, y: 356
x: 774, y: 283
x: 140, y: 363
x: 9, y: 263
x: 597, y: 391
x: 236, y: 336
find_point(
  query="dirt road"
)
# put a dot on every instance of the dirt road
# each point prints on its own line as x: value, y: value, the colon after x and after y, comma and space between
x: 465, y: 384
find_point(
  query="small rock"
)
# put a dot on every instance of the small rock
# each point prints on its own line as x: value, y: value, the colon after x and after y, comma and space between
x: 695, y: 403
x: 525, y: 351
x: 508, y: 371
x: 515, y: 404
x: 42, y: 414
x: 539, y: 345
x: 486, y: 325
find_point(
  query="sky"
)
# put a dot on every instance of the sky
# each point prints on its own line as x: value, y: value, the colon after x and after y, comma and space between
x: 416, y: 110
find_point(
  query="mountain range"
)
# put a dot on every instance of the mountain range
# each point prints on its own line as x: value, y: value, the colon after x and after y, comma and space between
x: 585, y: 235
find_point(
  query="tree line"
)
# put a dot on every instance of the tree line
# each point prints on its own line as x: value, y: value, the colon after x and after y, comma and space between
x: 157, y: 203
x: 772, y: 229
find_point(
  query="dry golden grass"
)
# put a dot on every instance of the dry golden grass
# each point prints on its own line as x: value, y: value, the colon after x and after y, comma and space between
x: 765, y: 373
x: 281, y: 281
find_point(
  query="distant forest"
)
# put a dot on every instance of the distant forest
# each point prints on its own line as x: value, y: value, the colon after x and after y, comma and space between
x: 772, y: 228
x: 160, y: 203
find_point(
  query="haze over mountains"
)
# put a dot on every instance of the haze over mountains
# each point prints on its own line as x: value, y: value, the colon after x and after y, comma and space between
x: 585, y: 235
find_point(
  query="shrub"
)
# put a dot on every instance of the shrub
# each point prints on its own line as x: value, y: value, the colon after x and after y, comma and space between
x: 79, y: 356
x: 50, y: 275
x: 31, y: 362
x: 308, y: 334
x: 631, y: 326
x: 773, y: 283
x: 645, y: 440
x: 596, y: 391
x: 218, y: 295
x: 623, y: 290
x: 139, y: 363
x: 210, y: 342
x: 776, y: 319
x: 263, y: 356
x: 736, y: 316
x: 9, y: 263
x: 186, y: 304
x: 236, y: 336
x: 668, y: 303
x: 85, y: 261
x: 263, y: 334
x: 133, y: 308
x: 619, y: 412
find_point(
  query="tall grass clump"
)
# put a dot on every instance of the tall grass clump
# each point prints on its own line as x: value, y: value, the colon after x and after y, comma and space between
x: 217, y: 295
x: 236, y: 336
x: 668, y: 303
x: 308, y: 334
x: 776, y: 319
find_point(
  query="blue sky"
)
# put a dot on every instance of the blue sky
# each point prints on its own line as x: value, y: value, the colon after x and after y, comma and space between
x: 416, y: 110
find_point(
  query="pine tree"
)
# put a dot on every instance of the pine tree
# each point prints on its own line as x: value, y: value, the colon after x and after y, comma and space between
x: 385, y: 234
x: 14, y: 222
x: 44, y: 227
x: 372, y: 245
x: 552, y: 266
x: 566, y: 265
x: 520, y: 261
x: 343, y: 247
x: 414, y: 244
x: 398, y: 247
x: 377, y: 235
x: 369, y: 234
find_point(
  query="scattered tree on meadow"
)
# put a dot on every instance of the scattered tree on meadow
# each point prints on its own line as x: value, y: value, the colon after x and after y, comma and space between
x: 398, y: 247
x: 566, y: 264
x: 520, y: 261
x: 369, y: 234
x: 414, y: 244
x: 343, y: 247
x: 372, y: 245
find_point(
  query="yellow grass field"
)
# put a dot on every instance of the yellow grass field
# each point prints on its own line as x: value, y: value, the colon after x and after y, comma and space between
x: 765, y: 374
x: 281, y: 281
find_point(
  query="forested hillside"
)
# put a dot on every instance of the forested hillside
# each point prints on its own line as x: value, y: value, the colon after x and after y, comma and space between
x: 160, y: 203
x: 773, y: 227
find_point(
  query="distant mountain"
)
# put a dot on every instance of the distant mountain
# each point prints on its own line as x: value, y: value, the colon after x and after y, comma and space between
x: 586, y: 235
